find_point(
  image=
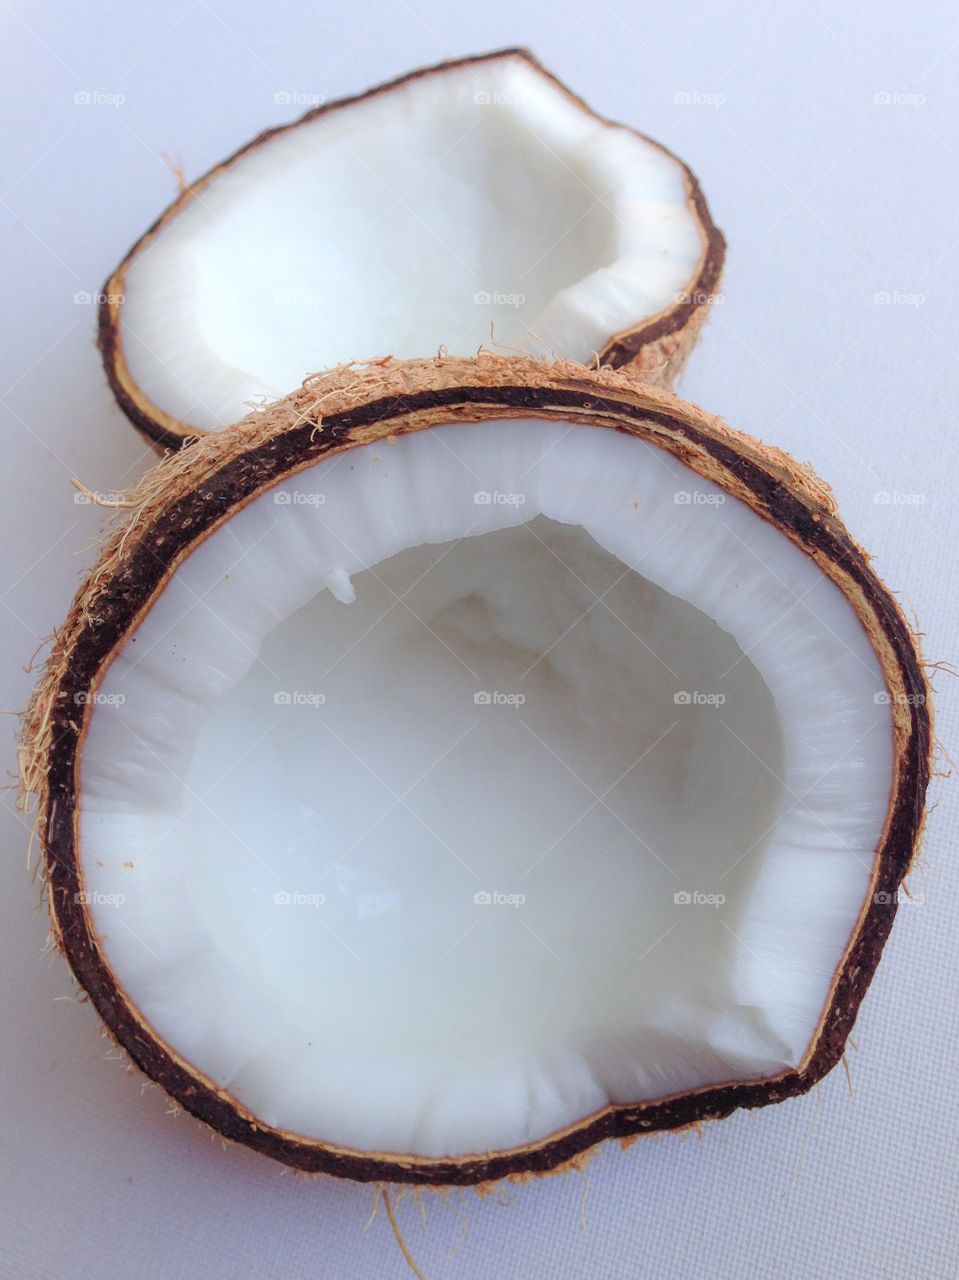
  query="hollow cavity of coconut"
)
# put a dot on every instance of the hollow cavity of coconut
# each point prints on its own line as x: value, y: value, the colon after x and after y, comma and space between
x: 476, y: 200
x: 466, y: 761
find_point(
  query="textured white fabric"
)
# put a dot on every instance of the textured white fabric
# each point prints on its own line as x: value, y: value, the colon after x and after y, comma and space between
x: 825, y: 139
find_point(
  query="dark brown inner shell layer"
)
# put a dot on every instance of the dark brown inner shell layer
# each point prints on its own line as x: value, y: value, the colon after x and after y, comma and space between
x: 660, y: 342
x: 470, y: 391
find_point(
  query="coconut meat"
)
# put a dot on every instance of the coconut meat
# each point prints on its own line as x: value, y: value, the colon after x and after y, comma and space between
x: 473, y: 202
x: 464, y: 785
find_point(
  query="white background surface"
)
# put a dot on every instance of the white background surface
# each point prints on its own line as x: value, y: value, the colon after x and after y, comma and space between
x: 828, y: 197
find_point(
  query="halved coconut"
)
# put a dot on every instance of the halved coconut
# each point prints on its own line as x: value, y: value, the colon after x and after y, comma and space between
x: 465, y: 761
x: 476, y: 198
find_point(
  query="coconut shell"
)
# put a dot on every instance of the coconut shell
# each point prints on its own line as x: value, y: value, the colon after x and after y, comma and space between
x: 656, y: 347
x: 191, y: 493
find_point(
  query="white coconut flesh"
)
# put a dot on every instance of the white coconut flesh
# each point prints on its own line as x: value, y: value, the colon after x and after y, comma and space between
x: 476, y: 196
x: 432, y: 824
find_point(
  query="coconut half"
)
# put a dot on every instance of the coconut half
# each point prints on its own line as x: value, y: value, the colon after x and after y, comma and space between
x: 473, y: 199
x: 463, y: 762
